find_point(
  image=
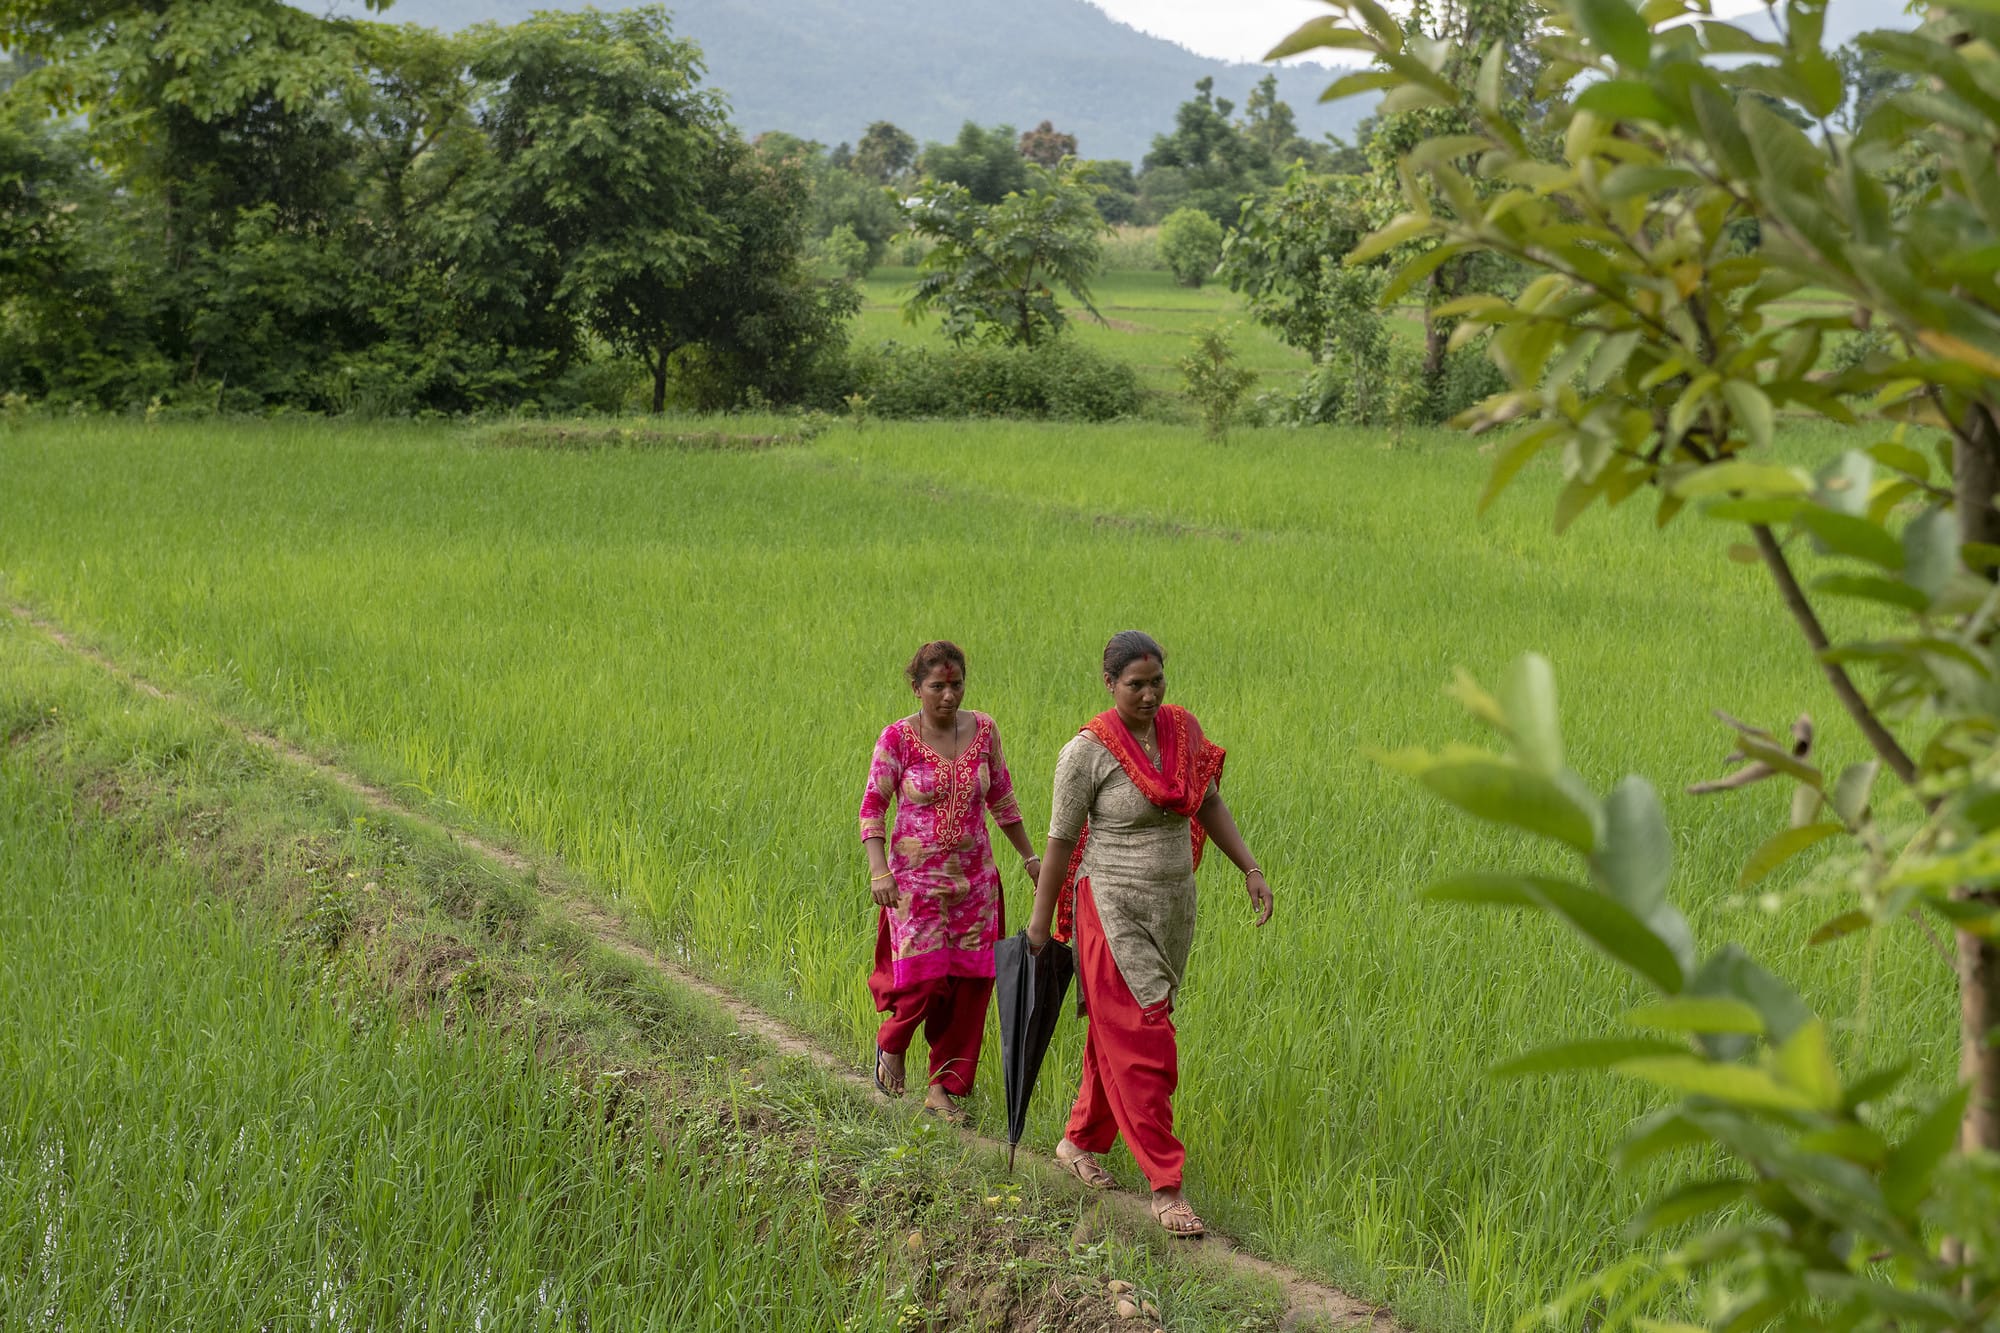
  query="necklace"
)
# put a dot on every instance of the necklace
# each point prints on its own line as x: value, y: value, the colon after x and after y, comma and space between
x: 1151, y: 745
x: 952, y: 739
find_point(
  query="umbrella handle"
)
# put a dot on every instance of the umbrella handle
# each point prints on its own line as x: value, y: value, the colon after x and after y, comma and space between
x: 1010, y: 1157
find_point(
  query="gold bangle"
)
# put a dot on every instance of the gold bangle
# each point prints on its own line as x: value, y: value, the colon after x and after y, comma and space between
x: 887, y: 874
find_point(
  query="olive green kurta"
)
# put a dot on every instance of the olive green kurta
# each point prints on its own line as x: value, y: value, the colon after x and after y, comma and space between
x: 1140, y: 863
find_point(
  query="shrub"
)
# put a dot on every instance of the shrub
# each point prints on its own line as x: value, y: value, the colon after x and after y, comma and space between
x: 1055, y: 380
x: 1190, y: 242
x: 1215, y: 380
x: 843, y: 250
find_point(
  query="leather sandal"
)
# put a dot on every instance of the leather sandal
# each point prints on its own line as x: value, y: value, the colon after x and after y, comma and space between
x: 1086, y: 1168
x: 1179, y: 1219
x: 880, y: 1086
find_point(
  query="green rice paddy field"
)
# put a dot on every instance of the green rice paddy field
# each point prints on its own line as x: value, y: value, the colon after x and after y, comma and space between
x: 668, y: 666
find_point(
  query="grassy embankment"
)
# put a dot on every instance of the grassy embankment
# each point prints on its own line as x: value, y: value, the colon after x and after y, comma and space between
x: 276, y: 1061
x: 667, y: 668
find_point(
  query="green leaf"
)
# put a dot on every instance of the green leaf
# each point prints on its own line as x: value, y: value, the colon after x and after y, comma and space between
x: 1902, y: 458
x: 1906, y: 1177
x: 1593, y: 1053
x: 1869, y: 588
x: 1697, y: 1013
x: 1767, y: 480
x: 1624, y: 99
x: 1782, y: 847
x: 1850, y: 791
x: 1507, y: 793
x: 1844, y: 534
x: 1930, y: 550
x: 1841, y: 927
x: 1529, y: 697
x: 1806, y: 1063
x: 1739, y: 1085
x: 1615, y: 28
x: 1636, y: 856
x: 1752, y: 408
x: 1512, y: 459
x: 1601, y: 920
x: 1315, y: 34
x: 1403, y: 228
x: 1663, y: 1132
x: 1685, y: 1204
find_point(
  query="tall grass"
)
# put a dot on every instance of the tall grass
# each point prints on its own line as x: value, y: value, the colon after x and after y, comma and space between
x: 196, y: 1133
x: 668, y: 668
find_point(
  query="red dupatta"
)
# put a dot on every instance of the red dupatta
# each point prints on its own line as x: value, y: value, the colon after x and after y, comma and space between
x: 1189, y: 762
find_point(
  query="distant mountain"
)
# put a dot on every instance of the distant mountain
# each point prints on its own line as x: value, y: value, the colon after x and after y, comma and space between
x: 824, y: 69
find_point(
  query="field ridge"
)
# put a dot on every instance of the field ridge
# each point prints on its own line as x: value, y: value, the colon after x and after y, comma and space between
x: 1307, y: 1299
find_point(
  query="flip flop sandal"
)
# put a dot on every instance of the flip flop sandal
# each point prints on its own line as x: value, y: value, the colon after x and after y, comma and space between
x: 955, y: 1116
x: 880, y: 1086
x: 1085, y: 1167
x: 1179, y: 1219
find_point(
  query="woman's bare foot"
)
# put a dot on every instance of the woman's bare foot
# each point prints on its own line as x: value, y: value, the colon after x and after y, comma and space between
x: 941, y: 1104
x: 888, y: 1073
x: 1175, y: 1214
x: 1084, y: 1166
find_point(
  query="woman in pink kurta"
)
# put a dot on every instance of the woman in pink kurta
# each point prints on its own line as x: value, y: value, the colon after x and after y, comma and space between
x: 934, y: 879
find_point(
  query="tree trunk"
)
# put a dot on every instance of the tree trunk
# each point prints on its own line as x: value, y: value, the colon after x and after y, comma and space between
x: 660, y: 381
x: 1435, y: 334
x: 1976, y: 463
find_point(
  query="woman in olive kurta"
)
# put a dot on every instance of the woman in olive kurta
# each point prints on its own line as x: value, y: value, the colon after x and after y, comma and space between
x: 1137, y: 794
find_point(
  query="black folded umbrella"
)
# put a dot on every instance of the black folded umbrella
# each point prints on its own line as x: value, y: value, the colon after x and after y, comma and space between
x: 1030, y: 989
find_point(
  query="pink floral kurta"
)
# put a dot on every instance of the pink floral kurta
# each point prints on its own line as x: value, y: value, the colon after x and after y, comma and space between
x: 940, y: 848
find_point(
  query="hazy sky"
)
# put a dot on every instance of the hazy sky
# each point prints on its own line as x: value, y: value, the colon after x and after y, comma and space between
x: 1246, y: 29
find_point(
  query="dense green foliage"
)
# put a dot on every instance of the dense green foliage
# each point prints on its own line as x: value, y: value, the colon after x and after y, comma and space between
x: 1674, y: 202
x: 994, y: 270
x: 667, y: 668
x: 1057, y: 380
x: 1190, y: 242
x: 342, y: 215
x: 1215, y: 380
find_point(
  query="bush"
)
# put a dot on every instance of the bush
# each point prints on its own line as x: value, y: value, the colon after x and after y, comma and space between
x: 1467, y: 379
x: 1057, y: 380
x: 1191, y: 244
x: 845, y: 252
x: 1215, y: 380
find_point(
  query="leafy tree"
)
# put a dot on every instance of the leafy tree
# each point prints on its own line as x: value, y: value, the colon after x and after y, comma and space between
x: 1271, y: 128
x: 1046, y: 146
x: 751, y: 314
x: 985, y: 162
x: 1647, y: 352
x: 1216, y: 164
x: 885, y: 153
x: 1286, y: 250
x: 994, y: 269
x: 1191, y: 243
x: 1117, y: 190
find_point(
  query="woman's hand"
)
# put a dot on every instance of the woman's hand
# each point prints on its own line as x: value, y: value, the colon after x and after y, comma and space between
x: 1260, y: 895
x: 883, y: 890
x: 1038, y: 936
x: 1033, y: 865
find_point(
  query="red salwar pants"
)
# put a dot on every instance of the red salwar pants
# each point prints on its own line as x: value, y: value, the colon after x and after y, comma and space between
x: 1131, y: 1063
x: 951, y: 1011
